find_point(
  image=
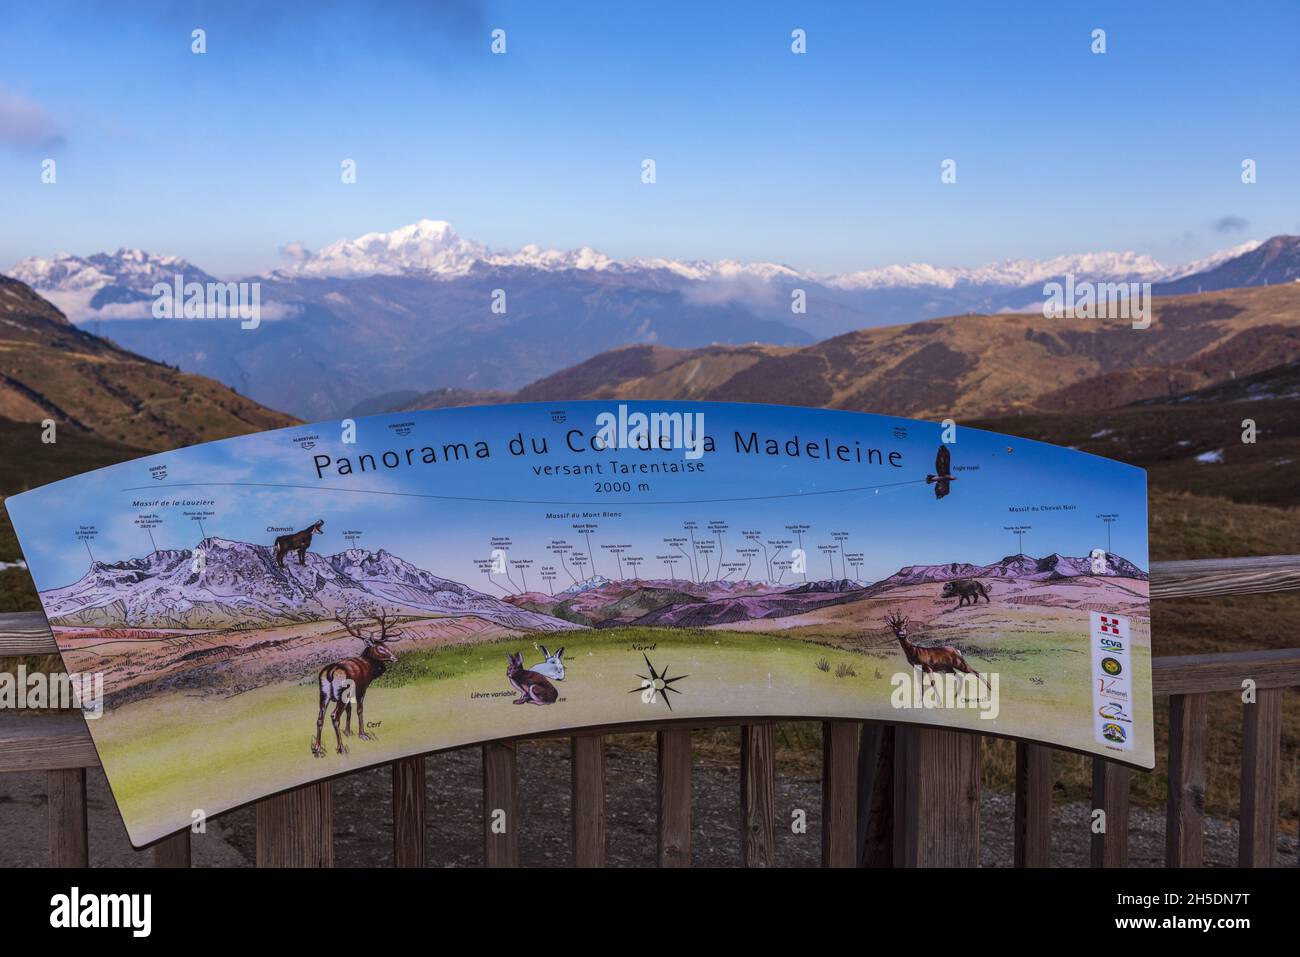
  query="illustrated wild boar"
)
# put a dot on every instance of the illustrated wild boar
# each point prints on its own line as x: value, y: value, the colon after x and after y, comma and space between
x: 967, y: 589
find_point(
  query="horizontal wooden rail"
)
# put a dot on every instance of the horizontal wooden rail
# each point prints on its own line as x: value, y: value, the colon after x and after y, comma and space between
x: 25, y: 633
x: 1225, y: 671
x: 1208, y: 577
x: 45, y: 742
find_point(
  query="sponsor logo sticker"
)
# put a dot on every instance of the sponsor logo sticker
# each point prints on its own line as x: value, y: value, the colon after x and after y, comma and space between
x: 1112, y: 683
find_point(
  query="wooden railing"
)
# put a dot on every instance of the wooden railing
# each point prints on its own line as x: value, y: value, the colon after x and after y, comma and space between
x: 892, y: 794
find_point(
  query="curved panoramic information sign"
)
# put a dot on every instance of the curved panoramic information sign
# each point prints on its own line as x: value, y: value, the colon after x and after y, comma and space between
x: 249, y: 615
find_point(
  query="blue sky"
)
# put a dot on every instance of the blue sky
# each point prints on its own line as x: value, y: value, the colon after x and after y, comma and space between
x: 266, y: 481
x: 828, y: 161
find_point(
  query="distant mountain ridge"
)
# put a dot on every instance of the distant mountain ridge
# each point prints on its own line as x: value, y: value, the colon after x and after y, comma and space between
x: 433, y: 249
x: 682, y: 604
x: 827, y: 585
x: 1020, y: 567
x: 966, y: 366
x: 811, y: 596
x: 104, y: 285
x: 377, y: 313
x: 126, y: 268
x: 577, y: 588
x: 241, y: 584
x: 1270, y: 263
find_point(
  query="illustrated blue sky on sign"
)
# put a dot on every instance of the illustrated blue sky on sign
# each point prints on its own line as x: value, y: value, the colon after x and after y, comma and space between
x: 446, y: 515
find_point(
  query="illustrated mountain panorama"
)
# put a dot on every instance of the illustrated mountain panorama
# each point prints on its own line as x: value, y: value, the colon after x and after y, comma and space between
x: 412, y: 318
x: 226, y: 584
x: 236, y: 584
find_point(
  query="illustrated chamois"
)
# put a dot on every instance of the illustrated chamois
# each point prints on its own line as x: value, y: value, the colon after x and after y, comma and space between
x: 297, y: 542
x: 344, y: 682
x: 945, y: 660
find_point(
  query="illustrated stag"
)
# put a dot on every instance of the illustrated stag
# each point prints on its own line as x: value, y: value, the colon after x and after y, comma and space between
x: 297, y: 542
x: 344, y: 682
x: 931, y: 661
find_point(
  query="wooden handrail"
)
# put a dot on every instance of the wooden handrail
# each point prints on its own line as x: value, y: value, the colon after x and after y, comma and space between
x: 47, y: 742
x: 1225, y: 671
x: 25, y: 633
x: 1210, y: 577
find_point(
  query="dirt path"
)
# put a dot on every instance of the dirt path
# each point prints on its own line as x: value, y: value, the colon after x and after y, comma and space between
x: 362, y: 815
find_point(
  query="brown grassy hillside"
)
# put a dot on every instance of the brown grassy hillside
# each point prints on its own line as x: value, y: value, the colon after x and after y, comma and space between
x: 971, y: 365
x: 1195, y: 443
x: 49, y: 369
x: 636, y: 372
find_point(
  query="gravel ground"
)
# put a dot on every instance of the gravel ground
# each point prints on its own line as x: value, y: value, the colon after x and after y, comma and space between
x: 362, y: 819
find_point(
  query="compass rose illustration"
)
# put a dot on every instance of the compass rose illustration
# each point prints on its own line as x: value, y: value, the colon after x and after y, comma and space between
x: 656, y: 685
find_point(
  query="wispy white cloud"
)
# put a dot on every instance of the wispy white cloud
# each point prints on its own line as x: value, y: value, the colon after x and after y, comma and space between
x: 25, y: 125
x: 295, y: 254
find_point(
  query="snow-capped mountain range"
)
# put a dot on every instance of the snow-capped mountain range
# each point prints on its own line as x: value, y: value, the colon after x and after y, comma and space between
x: 105, y: 285
x: 241, y: 584
x: 577, y: 588
x: 406, y: 312
x: 131, y: 268
x: 1020, y: 567
x: 1112, y: 266
x: 433, y: 249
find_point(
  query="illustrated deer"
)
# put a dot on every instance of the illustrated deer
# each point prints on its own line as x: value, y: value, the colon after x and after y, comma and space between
x: 297, y: 542
x: 945, y: 660
x: 344, y: 682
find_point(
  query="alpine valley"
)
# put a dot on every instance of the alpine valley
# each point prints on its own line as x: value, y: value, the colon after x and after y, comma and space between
x: 379, y: 321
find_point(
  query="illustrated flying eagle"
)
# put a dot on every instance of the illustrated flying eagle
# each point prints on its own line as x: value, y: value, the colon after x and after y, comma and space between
x: 943, y: 466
